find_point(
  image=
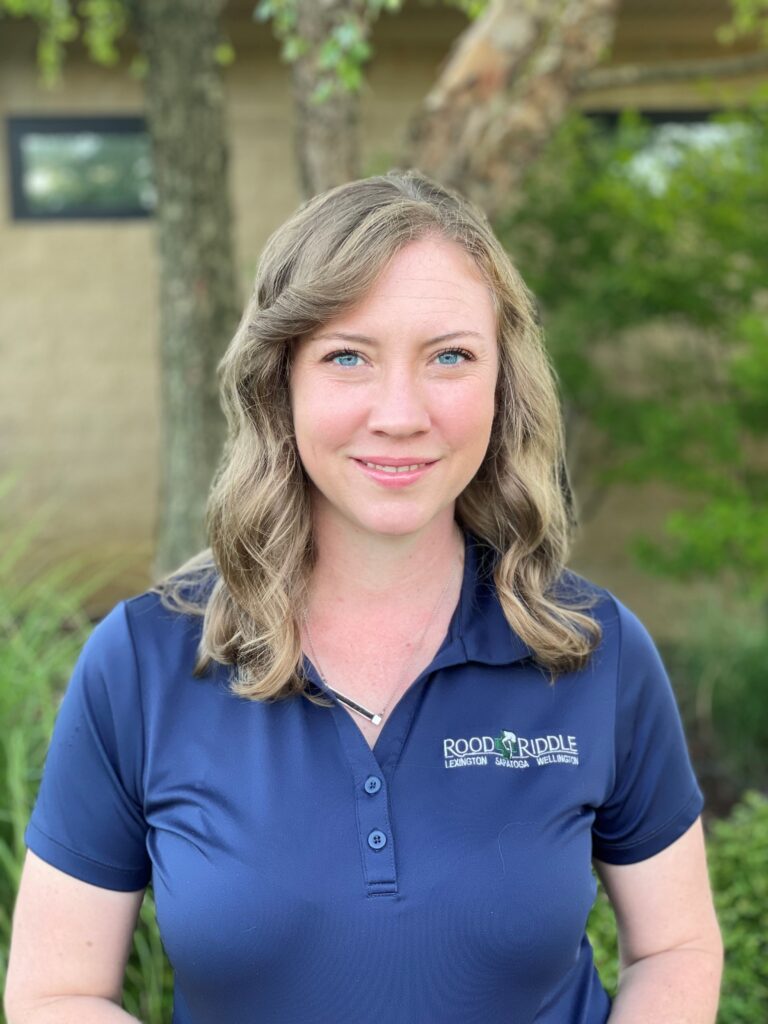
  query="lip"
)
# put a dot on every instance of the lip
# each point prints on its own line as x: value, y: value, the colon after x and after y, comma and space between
x: 414, y: 460
x: 394, y: 480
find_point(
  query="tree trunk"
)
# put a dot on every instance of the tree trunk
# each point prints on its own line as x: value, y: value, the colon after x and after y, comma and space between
x: 505, y: 88
x: 327, y: 141
x: 199, y: 305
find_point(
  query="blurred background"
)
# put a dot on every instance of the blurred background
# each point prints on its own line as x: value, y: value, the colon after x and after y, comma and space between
x: 620, y: 148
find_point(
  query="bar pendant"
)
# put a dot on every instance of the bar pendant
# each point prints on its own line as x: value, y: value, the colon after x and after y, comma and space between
x: 370, y: 715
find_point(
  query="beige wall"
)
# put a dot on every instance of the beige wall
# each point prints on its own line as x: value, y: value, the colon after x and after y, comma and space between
x: 79, y: 390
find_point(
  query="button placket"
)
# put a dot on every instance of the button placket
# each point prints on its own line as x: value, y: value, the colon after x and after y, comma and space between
x: 375, y: 836
x: 375, y: 832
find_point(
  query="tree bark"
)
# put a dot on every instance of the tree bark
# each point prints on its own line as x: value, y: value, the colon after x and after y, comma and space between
x: 199, y: 305
x: 504, y: 89
x: 327, y: 140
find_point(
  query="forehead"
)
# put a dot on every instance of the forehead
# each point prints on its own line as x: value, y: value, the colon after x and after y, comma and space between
x: 433, y: 282
x: 431, y: 267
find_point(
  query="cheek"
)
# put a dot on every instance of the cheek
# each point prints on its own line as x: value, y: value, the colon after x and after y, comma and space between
x: 469, y: 417
x: 319, y: 424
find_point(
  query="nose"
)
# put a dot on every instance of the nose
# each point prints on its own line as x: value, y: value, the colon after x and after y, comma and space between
x: 399, y: 403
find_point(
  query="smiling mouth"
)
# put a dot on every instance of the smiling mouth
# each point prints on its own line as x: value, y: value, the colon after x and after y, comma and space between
x: 395, y: 469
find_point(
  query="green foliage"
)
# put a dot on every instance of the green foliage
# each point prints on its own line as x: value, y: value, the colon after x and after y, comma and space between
x: 57, y: 26
x: 42, y: 630
x: 342, y: 53
x: 148, y: 985
x: 471, y: 8
x: 620, y: 230
x: 749, y: 17
x: 737, y: 866
x: 102, y: 24
x: 601, y: 931
x: 719, y: 669
x: 105, y: 21
x: 728, y: 531
x: 739, y: 880
x: 224, y: 54
x: 736, y: 853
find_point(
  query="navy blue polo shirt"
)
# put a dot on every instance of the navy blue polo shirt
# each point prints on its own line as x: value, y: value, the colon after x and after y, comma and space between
x: 299, y: 876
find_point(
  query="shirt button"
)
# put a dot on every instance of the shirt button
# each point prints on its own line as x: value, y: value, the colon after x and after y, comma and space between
x: 376, y: 839
x: 372, y: 784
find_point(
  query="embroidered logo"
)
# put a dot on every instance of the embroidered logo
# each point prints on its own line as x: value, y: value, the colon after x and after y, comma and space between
x: 506, y: 744
x: 509, y: 750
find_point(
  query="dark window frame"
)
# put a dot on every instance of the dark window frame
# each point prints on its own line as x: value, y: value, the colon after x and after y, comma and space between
x: 610, y: 117
x: 19, y: 126
x: 607, y: 120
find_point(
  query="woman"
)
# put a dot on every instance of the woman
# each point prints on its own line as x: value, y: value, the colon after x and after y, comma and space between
x: 389, y: 530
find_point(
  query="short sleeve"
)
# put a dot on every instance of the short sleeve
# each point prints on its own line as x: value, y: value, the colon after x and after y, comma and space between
x: 655, y: 796
x: 88, y: 819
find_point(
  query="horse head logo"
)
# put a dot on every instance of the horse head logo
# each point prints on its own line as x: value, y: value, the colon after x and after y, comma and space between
x: 507, y: 743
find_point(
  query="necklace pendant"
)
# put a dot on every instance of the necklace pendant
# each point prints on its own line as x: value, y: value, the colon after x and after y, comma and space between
x: 370, y: 715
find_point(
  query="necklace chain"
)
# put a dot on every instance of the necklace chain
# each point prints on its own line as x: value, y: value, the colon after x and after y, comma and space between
x: 372, y: 716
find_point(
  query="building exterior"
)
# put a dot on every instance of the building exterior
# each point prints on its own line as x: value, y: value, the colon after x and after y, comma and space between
x: 79, y: 388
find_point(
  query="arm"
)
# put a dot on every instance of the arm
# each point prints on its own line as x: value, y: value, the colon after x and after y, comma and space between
x: 670, y: 948
x: 69, y: 948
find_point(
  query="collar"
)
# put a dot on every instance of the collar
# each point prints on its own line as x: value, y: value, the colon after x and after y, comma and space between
x: 479, y: 631
x: 480, y: 628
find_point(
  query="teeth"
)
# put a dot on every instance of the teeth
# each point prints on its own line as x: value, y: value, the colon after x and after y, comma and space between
x: 396, y: 469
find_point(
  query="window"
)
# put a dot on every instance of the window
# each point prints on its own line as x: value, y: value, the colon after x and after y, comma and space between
x: 79, y: 167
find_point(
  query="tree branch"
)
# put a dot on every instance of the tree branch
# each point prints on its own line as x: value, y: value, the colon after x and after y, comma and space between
x: 679, y: 71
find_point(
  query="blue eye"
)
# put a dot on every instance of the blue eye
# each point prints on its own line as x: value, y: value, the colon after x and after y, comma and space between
x: 345, y: 354
x: 454, y: 352
x: 448, y: 354
x: 349, y: 353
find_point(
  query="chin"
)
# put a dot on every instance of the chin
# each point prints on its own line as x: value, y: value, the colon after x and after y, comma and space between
x: 399, y: 526
x: 393, y: 529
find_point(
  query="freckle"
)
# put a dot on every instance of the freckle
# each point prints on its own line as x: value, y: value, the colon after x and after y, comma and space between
x: 88, y: 942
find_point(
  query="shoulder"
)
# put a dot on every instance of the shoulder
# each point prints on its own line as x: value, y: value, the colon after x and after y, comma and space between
x: 624, y: 632
x: 161, y: 640
x: 108, y: 655
x: 577, y: 591
x: 108, y: 644
x: 155, y: 612
x: 627, y: 656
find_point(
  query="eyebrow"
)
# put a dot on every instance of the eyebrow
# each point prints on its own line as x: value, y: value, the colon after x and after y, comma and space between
x: 344, y: 336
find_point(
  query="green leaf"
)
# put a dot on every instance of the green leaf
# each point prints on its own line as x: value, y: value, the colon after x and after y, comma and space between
x: 224, y: 54
x: 293, y: 48
x: 323, y: 90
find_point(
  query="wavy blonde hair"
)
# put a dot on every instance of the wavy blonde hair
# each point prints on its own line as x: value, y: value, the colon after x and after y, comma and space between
x: 251, y: 584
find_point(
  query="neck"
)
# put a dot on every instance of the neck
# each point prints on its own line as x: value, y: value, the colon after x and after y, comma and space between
x: 356, y: 574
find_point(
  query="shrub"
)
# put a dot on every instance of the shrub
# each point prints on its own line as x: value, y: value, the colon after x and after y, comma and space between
x: 737, y: 853
x: 719, y: 671
x: 601, y: 929
x: 738, y: 866
x: 42, y: 630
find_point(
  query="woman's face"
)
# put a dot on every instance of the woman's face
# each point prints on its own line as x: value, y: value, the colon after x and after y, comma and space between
x: 403, y: 392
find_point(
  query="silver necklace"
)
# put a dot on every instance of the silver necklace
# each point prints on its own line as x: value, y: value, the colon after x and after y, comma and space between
x: 373, y: 717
